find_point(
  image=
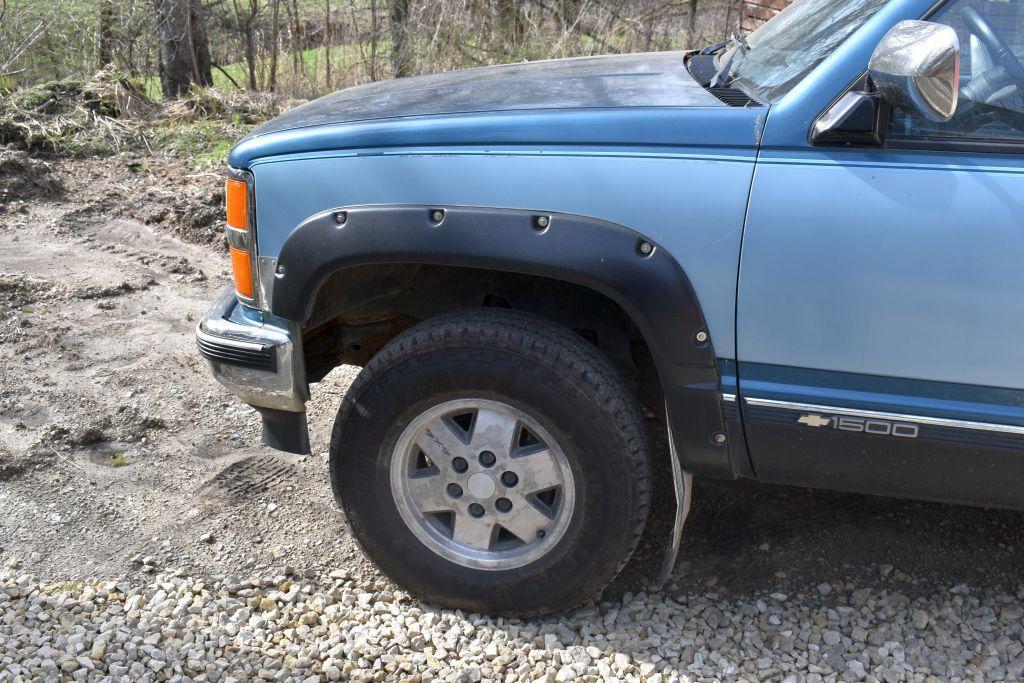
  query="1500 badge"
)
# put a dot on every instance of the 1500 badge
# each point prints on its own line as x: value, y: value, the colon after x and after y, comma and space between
x: 860, y: 424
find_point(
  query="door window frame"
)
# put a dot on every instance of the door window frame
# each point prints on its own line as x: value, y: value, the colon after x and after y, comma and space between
x: 923, y: 142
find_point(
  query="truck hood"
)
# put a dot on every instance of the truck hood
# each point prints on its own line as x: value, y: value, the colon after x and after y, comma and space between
x: 619, y: 100
x: 657, y: 79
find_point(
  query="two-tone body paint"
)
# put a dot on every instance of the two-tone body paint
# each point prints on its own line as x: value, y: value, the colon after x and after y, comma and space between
x: 881, y: 306
x: 842, y: 288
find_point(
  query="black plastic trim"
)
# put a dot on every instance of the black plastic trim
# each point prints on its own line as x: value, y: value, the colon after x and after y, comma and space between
x: 955, y: 145
x: 264, y: 359
x: 702, y: 68
x: 734, y: 97
x: 606, y: 257
x: 284, y: 430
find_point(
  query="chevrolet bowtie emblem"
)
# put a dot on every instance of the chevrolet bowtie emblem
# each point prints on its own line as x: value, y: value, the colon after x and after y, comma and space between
x: 815, y: 420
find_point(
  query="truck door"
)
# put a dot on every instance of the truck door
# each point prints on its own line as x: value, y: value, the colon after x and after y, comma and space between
x: 880, y: 312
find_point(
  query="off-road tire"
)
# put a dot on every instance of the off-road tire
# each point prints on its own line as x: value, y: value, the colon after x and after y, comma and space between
x: 543, y: 369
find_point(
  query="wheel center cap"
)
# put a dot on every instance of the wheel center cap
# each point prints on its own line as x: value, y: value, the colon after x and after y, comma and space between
x: 481, y: 485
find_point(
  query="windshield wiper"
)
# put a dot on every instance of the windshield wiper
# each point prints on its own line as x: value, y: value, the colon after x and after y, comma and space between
x: 734, y: 40
x: 713, y: 48
x: 738, y: 42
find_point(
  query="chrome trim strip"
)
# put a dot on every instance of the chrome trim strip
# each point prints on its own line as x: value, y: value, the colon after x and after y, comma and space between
x: 266, y: 267
x: 919, y: 419
x: 250, y: 240
x: 239, y: 239
x: 228, y: 341
x: 729, y: 398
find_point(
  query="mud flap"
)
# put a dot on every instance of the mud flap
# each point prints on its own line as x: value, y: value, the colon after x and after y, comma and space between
x: 682, y: 482
x: 285, y: 431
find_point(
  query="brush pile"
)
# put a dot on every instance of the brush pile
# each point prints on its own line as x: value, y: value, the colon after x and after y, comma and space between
x: 238, y: 106
x: 103, y: 113
x: 111, y: 113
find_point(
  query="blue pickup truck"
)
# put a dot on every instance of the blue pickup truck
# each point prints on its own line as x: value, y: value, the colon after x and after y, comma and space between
x: 798, y: 254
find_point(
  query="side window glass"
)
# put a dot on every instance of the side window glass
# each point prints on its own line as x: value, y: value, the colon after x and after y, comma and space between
x: 991, y: 106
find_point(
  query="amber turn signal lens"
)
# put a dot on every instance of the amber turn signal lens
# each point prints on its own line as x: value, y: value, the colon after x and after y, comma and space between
x: 237, y: 197
x: 243, y: 276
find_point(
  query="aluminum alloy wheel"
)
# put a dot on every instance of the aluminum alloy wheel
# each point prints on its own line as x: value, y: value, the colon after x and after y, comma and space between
x: 482, y: 484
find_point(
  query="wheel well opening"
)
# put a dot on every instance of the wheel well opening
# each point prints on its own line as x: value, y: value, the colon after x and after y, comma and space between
x: 358, y: 310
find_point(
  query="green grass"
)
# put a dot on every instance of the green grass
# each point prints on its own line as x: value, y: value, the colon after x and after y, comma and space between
x: 151, y: 84
x: 117, y: 460
x: 66, y: 586
x: 204, y: 143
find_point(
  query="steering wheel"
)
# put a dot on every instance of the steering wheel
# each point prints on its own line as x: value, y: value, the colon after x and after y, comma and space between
x: 997, y: 47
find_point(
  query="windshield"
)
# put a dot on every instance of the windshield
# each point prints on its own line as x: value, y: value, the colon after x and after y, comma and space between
x: 776, y: 56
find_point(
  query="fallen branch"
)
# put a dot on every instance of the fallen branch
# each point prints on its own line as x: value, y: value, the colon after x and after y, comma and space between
x: 67, y: 460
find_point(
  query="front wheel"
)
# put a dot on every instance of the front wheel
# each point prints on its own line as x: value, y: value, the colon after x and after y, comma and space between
x: 495, y: 461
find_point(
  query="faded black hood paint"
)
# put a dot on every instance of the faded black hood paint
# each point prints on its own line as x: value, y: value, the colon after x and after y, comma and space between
x: 657, y: 79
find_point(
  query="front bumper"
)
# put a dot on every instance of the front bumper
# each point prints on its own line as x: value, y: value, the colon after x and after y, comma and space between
x: 259, y: 359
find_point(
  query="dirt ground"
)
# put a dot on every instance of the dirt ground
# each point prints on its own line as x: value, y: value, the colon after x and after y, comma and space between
x: 120, y: 456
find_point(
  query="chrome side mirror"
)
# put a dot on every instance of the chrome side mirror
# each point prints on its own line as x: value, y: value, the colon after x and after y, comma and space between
x: 916, y: 67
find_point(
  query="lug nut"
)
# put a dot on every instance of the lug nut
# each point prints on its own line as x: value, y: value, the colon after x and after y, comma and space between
x: 503, y: 504
x: 340, y: 217
x: 542, y: 222
x: 437, y: 215
x: 487, y: 459
x: 460, y: 465
x: 645, y: 248
x: 701, y: 337
x: 719, y: 438
x: 476, y: 509
x: 454, y: 490
x: 509, y: 479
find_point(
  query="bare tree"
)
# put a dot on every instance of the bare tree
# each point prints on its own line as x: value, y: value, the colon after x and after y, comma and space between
x: 23, y: 25
x: 105, y: 53
x: 355, y: 40
x: 328, y: 37
x: 184, y: 50
x: 510, y: 18
x: 245, y: 20
x: 275, y: 38
x: 296, y: 31
x: 401, y: 62
x: 374, y: 37
x: 691, y: 26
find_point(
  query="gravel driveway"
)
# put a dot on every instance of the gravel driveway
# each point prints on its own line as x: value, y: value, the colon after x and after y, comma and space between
x: 146, y: 535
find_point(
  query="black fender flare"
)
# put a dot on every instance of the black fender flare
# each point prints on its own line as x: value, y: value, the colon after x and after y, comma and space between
x: 632, y: 270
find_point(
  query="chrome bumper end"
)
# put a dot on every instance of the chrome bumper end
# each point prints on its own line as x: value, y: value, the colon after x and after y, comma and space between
x: 258, y: 358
